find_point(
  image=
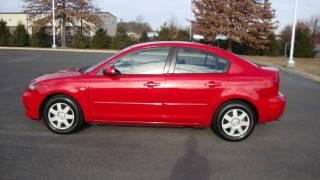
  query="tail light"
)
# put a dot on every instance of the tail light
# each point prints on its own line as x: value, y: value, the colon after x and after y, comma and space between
x: 274, y: 77
x: 277, y: 82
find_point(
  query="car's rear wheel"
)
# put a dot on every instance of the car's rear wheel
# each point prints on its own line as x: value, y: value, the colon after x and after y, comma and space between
x: 234, y: 121
x: 62, y: 115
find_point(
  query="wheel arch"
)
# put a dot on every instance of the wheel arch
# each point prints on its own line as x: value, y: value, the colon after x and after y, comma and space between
x: 242, y: 100
x: 49, y: 96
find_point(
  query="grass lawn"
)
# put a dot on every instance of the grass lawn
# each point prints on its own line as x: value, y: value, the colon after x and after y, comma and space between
x: 304, y: 65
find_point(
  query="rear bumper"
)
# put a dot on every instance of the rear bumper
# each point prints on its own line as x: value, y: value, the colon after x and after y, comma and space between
x: 31, y: 101
x: 273, y: 109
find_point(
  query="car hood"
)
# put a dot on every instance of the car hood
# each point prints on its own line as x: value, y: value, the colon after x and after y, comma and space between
x: 59, y: 74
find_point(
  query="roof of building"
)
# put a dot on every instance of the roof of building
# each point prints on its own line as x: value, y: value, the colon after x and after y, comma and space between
x: 107, y: 13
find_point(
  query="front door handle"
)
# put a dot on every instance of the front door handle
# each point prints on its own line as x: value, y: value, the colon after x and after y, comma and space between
x: 213, y: 84
x: 151, y: 84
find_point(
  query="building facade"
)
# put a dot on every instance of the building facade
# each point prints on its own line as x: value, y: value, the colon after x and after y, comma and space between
x: 109, y: 23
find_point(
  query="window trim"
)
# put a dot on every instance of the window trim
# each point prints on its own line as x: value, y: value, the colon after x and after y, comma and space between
x: 165, y: 68
x: 175, y: 56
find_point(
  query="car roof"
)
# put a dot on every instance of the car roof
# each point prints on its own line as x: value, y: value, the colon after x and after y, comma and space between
x: 216, y: 50
x: 187, y: 44
x: 171, y: 43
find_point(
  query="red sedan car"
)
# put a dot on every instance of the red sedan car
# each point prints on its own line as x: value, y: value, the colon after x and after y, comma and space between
x: 160, y: 83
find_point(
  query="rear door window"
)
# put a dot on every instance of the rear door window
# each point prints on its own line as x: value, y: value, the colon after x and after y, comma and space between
x: 192, y: 61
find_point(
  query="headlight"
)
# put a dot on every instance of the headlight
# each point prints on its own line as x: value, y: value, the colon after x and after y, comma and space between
x: 32, y: 86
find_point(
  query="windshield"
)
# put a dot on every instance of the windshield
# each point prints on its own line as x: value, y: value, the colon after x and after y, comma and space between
x: 91, y: 68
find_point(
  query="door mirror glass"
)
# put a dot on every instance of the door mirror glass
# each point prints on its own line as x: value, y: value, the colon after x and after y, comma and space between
x: 111, y: 71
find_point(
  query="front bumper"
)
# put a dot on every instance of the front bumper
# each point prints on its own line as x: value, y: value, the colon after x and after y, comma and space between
x: 32, y: 101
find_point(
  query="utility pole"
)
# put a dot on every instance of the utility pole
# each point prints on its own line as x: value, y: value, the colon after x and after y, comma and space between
x: 53, y: 26
x: 293, y: 35
x: 285, y: 49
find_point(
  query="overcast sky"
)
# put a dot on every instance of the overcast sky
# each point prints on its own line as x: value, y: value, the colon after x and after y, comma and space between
x: 156, y: 12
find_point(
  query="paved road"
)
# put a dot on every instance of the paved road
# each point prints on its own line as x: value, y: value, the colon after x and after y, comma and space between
x: 289, y: 149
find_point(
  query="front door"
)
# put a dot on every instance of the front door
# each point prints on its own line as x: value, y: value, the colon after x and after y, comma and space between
x: 136, y: 95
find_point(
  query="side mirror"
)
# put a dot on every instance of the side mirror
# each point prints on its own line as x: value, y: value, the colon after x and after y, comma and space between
x: 111, y: 71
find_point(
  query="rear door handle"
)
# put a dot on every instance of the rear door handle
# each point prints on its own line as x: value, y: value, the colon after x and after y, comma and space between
x: 213, y: 84
x: 151, y: 84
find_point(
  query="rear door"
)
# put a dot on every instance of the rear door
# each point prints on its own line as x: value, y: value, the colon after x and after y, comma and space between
x: 194, y: 84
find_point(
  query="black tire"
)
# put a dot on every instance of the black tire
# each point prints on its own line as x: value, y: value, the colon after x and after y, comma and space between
x: 77, y: 121
x: 228, y: 108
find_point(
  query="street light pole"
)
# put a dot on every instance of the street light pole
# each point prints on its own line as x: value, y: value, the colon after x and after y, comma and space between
x: 293, y: 35
x: 53, y: 26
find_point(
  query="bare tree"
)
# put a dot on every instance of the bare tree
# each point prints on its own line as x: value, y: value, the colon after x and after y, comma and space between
x: 140, y: 19
x: 173, y: 26
x: 67, y: 11
x: 140, y: 23
x: 314, y: 24
x: 85, y: 10
x: 173, y: 22
x: 138, y: 26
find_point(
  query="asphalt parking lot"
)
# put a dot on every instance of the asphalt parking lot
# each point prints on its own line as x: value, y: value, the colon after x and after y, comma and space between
x: 288, y: 149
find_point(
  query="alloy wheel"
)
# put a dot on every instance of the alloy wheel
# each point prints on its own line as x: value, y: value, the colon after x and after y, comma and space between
x: 61, y: 116
x: 236, y: 122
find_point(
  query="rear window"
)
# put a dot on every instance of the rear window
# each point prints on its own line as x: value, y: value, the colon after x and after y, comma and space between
x: 249, y: 61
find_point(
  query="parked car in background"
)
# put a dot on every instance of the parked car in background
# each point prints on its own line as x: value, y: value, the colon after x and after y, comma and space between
x: 160, y: 83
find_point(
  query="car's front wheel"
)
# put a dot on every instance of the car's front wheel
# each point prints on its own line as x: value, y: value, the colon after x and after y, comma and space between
x: 62, y: 115
x: 234, y: 121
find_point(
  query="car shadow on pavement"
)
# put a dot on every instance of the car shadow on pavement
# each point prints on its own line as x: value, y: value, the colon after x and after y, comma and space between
x: 192, y: 164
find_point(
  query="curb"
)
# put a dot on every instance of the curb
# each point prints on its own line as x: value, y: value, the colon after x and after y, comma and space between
x: 60, y: 50
x: 300, y: 73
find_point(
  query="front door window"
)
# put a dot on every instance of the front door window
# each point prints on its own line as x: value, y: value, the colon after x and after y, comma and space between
x: 147, y: 61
